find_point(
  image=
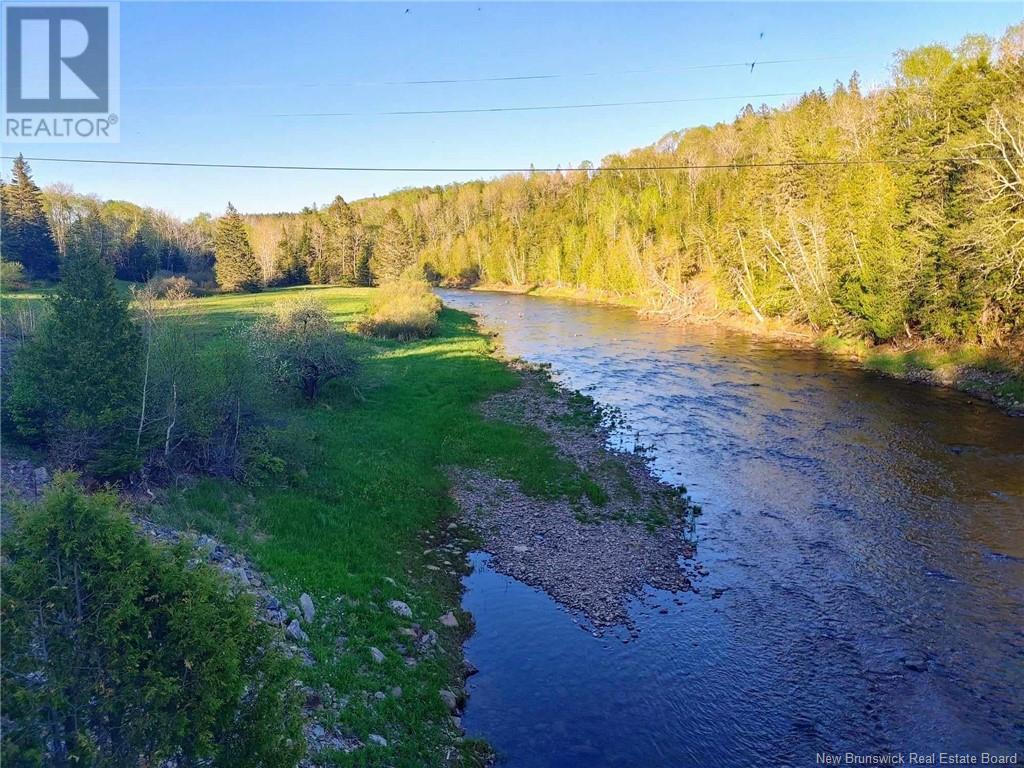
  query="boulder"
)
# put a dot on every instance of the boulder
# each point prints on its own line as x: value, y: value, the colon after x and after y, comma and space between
x: 449, y: 620
x: 450, y: 700
x: 294, y: 631
x: 377, y: 654
x: 377, y: 739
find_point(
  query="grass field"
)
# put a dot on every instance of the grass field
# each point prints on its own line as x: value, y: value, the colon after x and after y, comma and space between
x: 347, y: 521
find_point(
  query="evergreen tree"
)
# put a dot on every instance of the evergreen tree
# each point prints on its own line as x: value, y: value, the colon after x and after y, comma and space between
x: 363, y: 274
x: 289, y: 263
x: 74, y: 385
x: 26, y: 232
x: 392, y: 250
x: 236, y: 266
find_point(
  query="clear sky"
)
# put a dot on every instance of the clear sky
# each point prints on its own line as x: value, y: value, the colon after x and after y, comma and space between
x: 202, y: 82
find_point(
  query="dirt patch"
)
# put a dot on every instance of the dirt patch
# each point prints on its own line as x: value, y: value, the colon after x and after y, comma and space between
x: 589, y: 556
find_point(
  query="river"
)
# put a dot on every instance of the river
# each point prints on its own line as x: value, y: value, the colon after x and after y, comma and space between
x: 864, y: 542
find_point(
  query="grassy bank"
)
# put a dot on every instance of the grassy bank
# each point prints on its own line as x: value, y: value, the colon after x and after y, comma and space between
x: 996, y: 376
x: 363, y: 495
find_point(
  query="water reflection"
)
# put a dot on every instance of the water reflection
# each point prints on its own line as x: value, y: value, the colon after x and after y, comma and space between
x: 867, y: 536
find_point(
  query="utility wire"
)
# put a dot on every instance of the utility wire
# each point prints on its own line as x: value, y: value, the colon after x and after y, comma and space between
x: 536, y: 108
x: 596, y: 169
x: 494, y: 79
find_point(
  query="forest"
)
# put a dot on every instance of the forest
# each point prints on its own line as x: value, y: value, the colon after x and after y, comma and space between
x: 894, y: 213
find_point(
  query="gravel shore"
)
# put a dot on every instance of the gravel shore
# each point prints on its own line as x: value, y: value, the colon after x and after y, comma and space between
x: 590, y: 557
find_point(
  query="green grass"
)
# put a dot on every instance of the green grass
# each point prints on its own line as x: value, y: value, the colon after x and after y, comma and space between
x: 965, y: 366
x: 931, y: 358
x: 365, y: 479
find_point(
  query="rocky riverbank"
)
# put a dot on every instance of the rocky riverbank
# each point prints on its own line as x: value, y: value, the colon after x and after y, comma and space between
x: 594, y: 553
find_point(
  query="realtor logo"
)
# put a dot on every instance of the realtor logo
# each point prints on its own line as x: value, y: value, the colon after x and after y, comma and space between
x: 61, y: 76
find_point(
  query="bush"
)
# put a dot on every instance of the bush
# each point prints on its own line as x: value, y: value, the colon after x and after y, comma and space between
x: 12, y: 275
x: 173, y: 287
x: 405, y: 309
x: 300, y: 345
x: 118, y: 652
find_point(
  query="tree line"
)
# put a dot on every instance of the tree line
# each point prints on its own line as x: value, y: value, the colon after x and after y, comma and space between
x: 930, y: 245
x: 894, y: 213
x: 42, y: 227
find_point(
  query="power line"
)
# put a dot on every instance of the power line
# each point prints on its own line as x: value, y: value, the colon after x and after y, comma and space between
x: 489, y: 79
x: 596, y: 169
x: 536, y: 108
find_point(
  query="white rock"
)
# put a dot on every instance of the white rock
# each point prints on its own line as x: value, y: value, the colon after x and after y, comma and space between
x: 306, y: 604
x: 380, y: 741
x: 377, y: 654
x: 449, y: 620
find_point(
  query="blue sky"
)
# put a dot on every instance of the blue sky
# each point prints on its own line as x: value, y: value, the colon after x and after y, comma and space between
x: 201, y: 82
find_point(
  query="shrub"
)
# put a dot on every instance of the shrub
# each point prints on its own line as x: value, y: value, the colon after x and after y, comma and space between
x: 12, y: 275
x: 173, y: 287
x: 119, y: 652
x: 404, y: 309
x: 76, y: 381
x: 300, y: 345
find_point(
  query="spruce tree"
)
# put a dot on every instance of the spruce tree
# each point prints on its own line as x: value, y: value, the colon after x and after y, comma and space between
x: 26, y: 232
x: 363, y: 274
x: 74, y: 385
x: 236, y: 266
x: 392, y: 251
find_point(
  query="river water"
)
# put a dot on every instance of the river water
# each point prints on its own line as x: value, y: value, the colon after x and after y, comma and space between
x: 864, y: 541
